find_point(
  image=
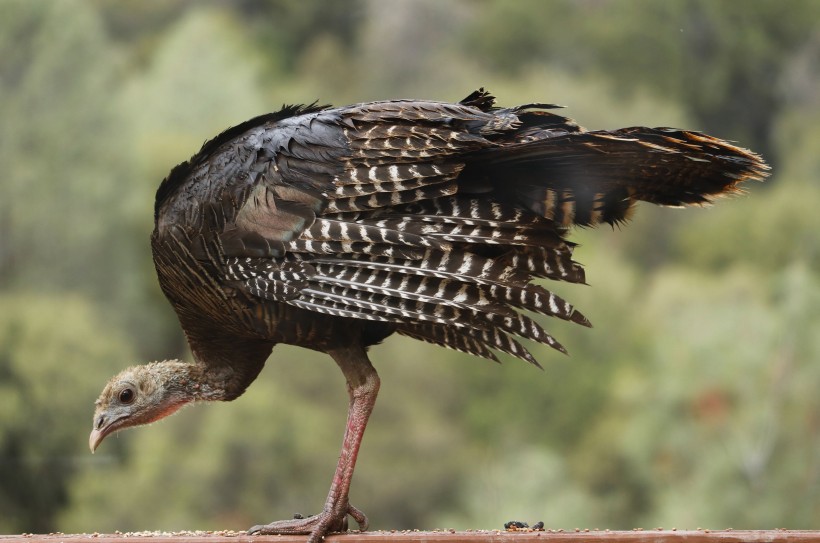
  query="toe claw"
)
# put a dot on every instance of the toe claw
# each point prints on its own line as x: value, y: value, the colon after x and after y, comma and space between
x: 359, y: 517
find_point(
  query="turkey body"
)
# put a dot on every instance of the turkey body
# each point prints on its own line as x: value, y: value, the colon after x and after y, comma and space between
x: 333, y: 228
x: 312, y: 225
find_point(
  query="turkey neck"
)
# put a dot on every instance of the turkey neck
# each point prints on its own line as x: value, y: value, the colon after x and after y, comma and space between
x: 195, y: 382
x: 224, y: 368
x: 191, y: 382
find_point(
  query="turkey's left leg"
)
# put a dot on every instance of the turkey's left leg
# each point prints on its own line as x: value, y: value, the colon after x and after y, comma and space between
x: 362, y: 387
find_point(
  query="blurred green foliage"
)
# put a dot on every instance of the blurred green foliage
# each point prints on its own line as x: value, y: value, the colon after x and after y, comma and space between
x: 49, y: 346
x: 693, y: 402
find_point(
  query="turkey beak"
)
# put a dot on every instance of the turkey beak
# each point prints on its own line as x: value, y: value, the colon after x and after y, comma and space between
x: 94, y: 439
x: 101, y: 429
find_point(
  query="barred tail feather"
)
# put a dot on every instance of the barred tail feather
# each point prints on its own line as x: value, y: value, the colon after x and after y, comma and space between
x: 586, y: 178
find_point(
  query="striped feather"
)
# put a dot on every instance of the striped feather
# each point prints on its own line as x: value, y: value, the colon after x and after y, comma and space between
x: 548, y: 263
x: 464, y: 232
x: 412, y: 287
x: 449, y: 337
x: 391, y: 176
x: 539, y: 300
x: 477, y: 210
x: 368, y: 248
x: 269, y: 279
x: 388, y: 308
x: 445, y: 265
x: 387, y: 199
x: 498, y: 340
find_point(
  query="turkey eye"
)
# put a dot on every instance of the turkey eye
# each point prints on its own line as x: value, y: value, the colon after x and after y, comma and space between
x: 126, y: 396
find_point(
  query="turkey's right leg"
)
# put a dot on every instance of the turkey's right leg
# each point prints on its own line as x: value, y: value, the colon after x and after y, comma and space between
x: 363, y: 387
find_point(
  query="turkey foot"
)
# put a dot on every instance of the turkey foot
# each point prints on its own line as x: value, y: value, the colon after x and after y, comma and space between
x: 317, y: 525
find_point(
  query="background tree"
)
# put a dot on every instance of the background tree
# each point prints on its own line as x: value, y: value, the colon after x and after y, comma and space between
x: 48, y: 345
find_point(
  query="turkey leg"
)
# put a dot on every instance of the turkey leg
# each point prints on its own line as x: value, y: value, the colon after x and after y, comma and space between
x: 362, y: 387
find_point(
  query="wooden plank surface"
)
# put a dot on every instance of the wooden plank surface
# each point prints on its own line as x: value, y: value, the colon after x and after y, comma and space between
x: 443, y: 536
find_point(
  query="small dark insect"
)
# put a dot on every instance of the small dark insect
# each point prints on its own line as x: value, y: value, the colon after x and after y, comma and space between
x: 516, y: 525
x: 538, y: 526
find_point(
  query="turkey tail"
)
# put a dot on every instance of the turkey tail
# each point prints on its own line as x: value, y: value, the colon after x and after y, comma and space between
x: 586, y: 178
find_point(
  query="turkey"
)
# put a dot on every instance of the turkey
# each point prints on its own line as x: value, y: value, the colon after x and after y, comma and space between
x: 333, y: 228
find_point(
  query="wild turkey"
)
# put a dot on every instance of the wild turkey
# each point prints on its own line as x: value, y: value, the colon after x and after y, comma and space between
x: 333, y: 228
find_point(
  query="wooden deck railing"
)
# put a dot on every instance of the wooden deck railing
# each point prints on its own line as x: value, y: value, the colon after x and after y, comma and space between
x: 444, y: 536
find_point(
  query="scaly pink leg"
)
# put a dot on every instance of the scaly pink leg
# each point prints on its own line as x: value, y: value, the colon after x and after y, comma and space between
x: 362, y: 387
